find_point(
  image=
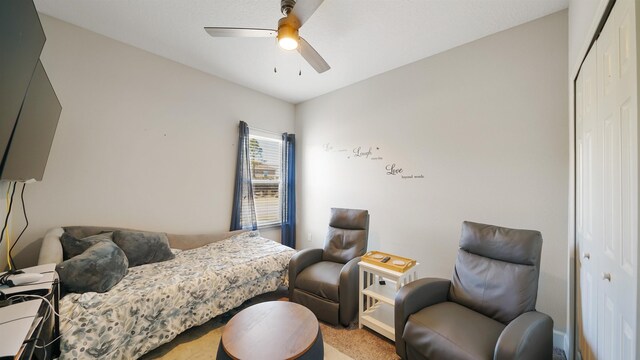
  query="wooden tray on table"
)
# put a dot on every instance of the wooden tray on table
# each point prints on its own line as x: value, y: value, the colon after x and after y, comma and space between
x: 395, y: 263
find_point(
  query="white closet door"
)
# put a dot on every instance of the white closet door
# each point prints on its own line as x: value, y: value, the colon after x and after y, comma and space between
x: 607, y: 191
x: 588, y: 208
x: 617, y: 120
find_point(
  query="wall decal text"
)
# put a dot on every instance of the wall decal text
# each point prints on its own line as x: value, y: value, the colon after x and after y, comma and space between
x: 360, y: 152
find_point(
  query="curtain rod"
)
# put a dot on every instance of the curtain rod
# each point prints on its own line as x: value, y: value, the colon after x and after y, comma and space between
x: 265, y: 131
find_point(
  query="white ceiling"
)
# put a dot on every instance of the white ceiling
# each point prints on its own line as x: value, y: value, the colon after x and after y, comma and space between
x: 358, y: 38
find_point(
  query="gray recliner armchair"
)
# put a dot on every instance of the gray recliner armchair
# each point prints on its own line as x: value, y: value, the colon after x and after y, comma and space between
x: 326, y: 280
x: 487, y: 311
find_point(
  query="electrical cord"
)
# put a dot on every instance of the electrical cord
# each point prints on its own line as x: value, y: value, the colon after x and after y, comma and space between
x: 52, y: 309
x: 43, y: 347
x: 55, y: 281
x: 43, y: 299
x: 36, y: 339
x: 44, y: 344
x: 46, y: 316
x: 26, y: 219
x: 6, y: 222
x: 4, y: 278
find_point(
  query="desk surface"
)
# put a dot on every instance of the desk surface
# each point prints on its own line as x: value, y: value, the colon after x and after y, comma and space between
x: 270, y: 330
x: 25, y: 319
x: 16, y: 324
x: 49, y: 276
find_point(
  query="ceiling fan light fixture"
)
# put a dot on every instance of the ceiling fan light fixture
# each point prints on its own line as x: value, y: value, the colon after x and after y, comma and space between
x: 288, y: 37
x: 295, y: 13
x: 288, y: 43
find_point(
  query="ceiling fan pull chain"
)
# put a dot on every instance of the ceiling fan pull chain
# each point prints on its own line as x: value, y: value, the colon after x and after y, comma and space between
x: 300, y: 72
x: 275, y: 70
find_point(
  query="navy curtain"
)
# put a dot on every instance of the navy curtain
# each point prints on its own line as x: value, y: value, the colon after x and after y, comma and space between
x: 288, y: 236
x: 244, y: 211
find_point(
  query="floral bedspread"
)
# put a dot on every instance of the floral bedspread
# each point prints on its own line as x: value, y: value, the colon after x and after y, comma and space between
x: 155, y: 302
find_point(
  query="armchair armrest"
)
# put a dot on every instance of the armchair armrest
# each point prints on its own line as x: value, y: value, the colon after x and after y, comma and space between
x: 51, y: 248
x: 529, y: 336
x: 348, y: 291
x: 299, y: 261
x: 413, y: 297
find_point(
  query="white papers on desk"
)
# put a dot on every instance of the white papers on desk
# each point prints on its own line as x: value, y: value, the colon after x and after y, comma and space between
x: 16, y: 324
x: 44, y: 284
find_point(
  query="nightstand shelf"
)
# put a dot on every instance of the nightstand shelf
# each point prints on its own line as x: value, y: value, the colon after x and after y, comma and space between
x: 384, y: 293
x: 377, y: 301
x: 380, y: 319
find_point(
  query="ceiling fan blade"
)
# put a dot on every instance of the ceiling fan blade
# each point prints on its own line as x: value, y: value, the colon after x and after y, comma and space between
x: 313, y: 58
x: 240, y: 32
x: 305, y: 8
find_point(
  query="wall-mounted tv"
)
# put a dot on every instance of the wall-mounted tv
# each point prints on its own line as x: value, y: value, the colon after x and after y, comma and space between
x: 29, y: 107
x: 31, y: 141
x: 21, y: 41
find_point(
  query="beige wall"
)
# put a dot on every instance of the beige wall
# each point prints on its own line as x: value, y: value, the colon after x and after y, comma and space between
x: 584, y: 16
x: 142, y: 141
x: 484, y: 123
x: 148, y: 143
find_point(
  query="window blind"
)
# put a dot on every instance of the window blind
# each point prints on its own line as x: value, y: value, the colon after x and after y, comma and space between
x: 265, y: 154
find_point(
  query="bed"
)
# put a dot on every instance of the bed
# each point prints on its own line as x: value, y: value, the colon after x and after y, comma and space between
x: 154, y: 303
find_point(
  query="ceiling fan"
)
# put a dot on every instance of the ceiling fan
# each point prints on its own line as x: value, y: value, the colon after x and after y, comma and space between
x: 296, y: 13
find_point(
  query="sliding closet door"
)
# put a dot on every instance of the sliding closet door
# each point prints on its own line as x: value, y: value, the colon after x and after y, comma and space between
x: 588, y: 210
x: 617, y: 117
x: 607, y: 191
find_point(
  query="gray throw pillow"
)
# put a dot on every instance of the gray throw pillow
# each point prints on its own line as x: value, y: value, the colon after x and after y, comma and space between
x: 143, y: 247
x: 72, y: 246
x: 98, y: 269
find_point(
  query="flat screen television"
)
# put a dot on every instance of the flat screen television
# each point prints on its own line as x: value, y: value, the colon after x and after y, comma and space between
x: 29, y: 147
x: 29, y: 107
x: 21, y: 41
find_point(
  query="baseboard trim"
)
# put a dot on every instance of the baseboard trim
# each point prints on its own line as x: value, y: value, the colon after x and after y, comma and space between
x: 561, y: 341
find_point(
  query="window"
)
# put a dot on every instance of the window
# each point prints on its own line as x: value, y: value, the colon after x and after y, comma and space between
x: 265, y: 155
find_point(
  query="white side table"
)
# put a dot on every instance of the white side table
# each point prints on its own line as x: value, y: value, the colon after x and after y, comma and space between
x: 377, y: 301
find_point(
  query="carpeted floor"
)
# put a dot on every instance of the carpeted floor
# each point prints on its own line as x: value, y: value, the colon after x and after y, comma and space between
x: 201, y: 343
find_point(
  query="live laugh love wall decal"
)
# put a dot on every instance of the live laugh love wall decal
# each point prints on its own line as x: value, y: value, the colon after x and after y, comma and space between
x: 372, y: 153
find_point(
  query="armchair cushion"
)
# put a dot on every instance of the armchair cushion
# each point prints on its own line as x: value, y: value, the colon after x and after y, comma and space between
x: 496, y: 271
x: 343, y: 245
x: 500, y: 243
x: 498, y: 289
x: 451, y: 331
x: 347, y: 235
x: 351, y: 219
x: 413, y: 297
x: 321, y: 279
